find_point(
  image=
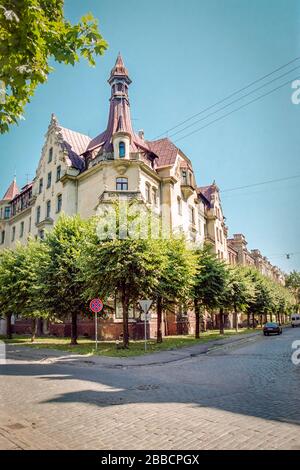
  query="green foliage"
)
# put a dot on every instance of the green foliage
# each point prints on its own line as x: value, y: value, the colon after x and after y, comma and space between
x: 18, y: 280
x: 293, y: 284
x: 60, y: 286
x: 31, y: 33
x: 210, y: 280
x: 240, y: 290
x: 178, y: 268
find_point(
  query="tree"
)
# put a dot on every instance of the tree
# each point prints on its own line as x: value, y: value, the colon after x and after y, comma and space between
x: 239, y: 291
x: 176, y: 276
x: 60, y: 286
x: 293, y: 284
x: 209, y: 286
x: 129, y: 267
x: 31, y: 33
x: 18, y: 280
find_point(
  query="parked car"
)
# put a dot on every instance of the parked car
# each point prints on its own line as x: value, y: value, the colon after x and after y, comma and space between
x: 295, y: 320
x: 272, y: 328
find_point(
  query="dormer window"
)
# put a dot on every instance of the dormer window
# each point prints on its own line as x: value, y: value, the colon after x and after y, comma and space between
x: 122, y: 150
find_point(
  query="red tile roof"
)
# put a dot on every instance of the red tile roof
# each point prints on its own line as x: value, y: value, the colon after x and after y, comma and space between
x: 75, y: 144
x: 165, y: 150
x: 12, y: 191
x: 207, y: 191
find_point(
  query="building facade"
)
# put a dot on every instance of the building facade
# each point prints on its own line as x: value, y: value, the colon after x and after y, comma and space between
x: 77, y: 174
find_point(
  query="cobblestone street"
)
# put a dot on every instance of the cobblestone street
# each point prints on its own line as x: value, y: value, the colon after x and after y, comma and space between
x: 234, y: 397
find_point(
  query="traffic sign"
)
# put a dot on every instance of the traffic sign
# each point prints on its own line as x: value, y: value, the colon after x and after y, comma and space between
x: 145, y: 305
x: 96, y: 305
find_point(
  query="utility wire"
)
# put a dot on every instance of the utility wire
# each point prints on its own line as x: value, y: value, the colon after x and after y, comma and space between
x: 228, y: 97
x: 234, y: 101
x: 260, y: 184
x: 236, y: 109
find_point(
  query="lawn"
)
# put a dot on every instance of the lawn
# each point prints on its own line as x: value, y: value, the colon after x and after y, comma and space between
x: 108, y: 348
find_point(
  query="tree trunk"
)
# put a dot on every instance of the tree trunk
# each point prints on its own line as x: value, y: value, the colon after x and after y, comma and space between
x: 39, y: 327
x: 261, y: 320
x: 212, y: 321
x: 8, y: 326
x: 33, y: 329
x: 74, y: 334
x: 236, y: 319
x: 221, y: 321
x: 197, y: 318
x: 159, y: 311
x: 125, y: 308
x: 271, y: 317
x: 253, y: 320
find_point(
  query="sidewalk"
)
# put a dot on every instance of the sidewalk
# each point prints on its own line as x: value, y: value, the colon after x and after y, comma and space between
x: 17, y: 352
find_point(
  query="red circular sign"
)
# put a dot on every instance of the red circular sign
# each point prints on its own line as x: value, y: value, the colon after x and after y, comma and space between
x: 96, y: 305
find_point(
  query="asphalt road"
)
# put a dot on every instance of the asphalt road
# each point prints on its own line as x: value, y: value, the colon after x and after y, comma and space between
x: 239, y: 396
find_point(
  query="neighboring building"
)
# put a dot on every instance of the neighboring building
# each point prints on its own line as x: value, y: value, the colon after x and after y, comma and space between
x: 216, y: 230
x: 238, y: 245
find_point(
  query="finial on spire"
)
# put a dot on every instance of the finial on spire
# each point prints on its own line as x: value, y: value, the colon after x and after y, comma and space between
x: 119, y: 70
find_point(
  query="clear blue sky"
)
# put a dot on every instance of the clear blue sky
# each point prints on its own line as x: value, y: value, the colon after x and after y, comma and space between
x: 184, y: 55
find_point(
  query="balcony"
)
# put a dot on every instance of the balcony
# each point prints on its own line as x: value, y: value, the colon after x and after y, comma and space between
x: 48, y: 221
x: 111, y: 196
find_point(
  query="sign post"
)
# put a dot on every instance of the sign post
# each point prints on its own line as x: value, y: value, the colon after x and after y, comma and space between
x: 96, y: 305
x: 145, y: 306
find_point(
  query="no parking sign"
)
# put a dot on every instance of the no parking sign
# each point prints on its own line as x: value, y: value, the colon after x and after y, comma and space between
x: 96, y: 305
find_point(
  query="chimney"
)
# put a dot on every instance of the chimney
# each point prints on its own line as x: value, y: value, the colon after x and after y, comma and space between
x: 141, y: 134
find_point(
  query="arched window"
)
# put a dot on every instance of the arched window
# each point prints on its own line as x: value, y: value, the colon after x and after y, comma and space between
x: 121, y: 150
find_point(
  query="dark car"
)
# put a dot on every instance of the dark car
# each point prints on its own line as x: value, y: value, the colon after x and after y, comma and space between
x: 272, y: 328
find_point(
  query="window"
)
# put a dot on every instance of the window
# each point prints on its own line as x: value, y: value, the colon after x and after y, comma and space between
x: 21, y: 229
x: 6, y: 212
x: 48, y: 209
x: 49, y: 179
x: 121, y: 184
x: 13, y: 234
x: 38, y: 214
x: 184, y: 177
x: 191, y: 215
x: 41, y: 234
x: 50, y: 155
x: 58, y: 173
x: 179, y: 205
x: 59, y: 203
x: 148, y: 195
x: 154, y: 196
x: 121, y: 149
x: 2, y: 237
x: 40, y: 185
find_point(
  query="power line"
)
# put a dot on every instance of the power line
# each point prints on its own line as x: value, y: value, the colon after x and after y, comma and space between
x: 260, y: 184
x: 228, y: 97
x: 236, y: 109
x: 234, y: 101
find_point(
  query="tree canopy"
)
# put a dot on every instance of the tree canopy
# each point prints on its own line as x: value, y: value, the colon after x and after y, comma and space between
x: 31, y: 33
